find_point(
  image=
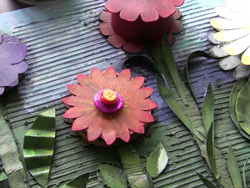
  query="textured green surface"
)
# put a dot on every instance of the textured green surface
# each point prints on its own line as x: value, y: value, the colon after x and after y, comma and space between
x: 64, y: 40
x: 80, y: 181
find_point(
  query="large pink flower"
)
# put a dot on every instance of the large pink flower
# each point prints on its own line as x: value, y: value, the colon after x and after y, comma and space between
x: 88, y: 117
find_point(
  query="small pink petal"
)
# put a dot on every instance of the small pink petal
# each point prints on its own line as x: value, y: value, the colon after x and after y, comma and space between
x: 94, y: 131
x: 21, y: 67
x: 105, y: 16
x: 116, y: 41
x: 177, y: 26
x: 177, y: 14
x: 106, y: 29
x: 108, y: 134
x: 132, y: 47
x: 164, y: 8
x: 10, y: 39
x: 177, y: 3
x: 116, y: 6
x: 73, y: 112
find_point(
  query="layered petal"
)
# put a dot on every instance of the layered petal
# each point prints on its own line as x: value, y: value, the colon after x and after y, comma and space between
x: 76, y: 89
x: 88, y: 84
x: 140, y: 104
x: 21, y: 67
x: 116, y: 6
x: 8, y: 75
x: 131, y: 86
x: 73, y: 112
x: 110, y: 76
x: 78, y: 101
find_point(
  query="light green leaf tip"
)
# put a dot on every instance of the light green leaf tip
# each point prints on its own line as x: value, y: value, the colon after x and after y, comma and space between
x: 113, y: 176
x: 38, y: 147
x: 244, y: 175
x: 3, y: 176
x: 157, y: 161
x: 233, y: 168
x: 78, y: 182
x: 206, y: 182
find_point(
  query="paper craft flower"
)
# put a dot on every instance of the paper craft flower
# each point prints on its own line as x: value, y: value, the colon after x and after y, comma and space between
x: 109, y: 105
x: 233, y: 37
x: 12, y: 54
x: 133, y: 23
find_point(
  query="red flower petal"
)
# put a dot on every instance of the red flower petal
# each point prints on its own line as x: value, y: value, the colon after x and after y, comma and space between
x: 108, y: 133
x: 149, y: 14
x: 177, y: 2
x: 110, y: 76
x: 76, y: 89
x: 116, y: 41
x: 141, y: 104
x: 132, y: 47
x: 88, y: 84
x: 78, y: 101
x: 122, y: 79
x: 121, y: 129
x: 164, y: 8
x: 97, y: 75
x: 143, y: 116
x: 116, y: 6
x: 130, y: 12
x: 85, y: 121
x: 94, y: 131
x: 106, y: 29
x: 105, y: 16
x: 177, y: 26
x: 73, y: 112
x: 142, y: 93
x: 131, y: 86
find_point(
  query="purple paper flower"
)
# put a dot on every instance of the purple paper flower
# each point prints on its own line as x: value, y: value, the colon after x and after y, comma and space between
x: 12, y: 54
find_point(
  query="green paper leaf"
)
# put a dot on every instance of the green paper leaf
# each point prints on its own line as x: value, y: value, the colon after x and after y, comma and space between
x: 38, y: 146
x: 232, y: 102
x: 136, y: 176
x: 168, y: 57
x: 190, y: 58
x: 242, y: 108
x: 80, y: 181
x: 112, y: 176
x: 157, y: 161
x: 244, y: 175
x: 3, y: 176
x: 143, y: 59
x: 175, y: 107
x: 210, y: 150
x: 206, y: 181
x: 233, y: 168
x: 208, y: 108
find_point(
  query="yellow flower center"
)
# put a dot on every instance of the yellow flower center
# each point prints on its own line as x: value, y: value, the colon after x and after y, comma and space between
x: 109, y: 95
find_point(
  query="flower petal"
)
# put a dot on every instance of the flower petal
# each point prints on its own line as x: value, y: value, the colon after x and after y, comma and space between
x: 106, y: 29
x: 73, y: 112
x: 105, y: 16
x: 177, y: 26
x: 144, y: 116
x: 116, y: 6
x: 116, y: 41
x: 238, y: 7
x: 230, y: 35
x: 1, y: 90
x: 110, y: 76
x: 123, y: 78
x: 78, y: 101
x: 132, y: 47
x: 76, y: 89
x: 223, y: 24
x: 85, y: 121
x: 132, y: 11
x: 164, y: 8
x: 131, y: 86
x: 177, y: 14
x: 132, y: 122
x: 238, y: 46
x: 219, y: 51
x: 141, y: 104
x: 245, y: 59
x: 89, y: 84
x: 21, y: 67
x: 242, y: 71
x: 12, y: 53
x: 10, y: 39
x: 94, y: 131
x: 228, y: 13
x: 8, y: 75
x: 108, y: 133
x: 121, y: 129
x: 229, y: 63
x: 177, y: 3
x: 149, y: 14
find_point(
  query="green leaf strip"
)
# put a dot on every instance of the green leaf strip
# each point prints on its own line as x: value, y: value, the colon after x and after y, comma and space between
x: 157, y: 161
x: 208, y: 108
x: 3, y: 176
x: 38, y: 146
x: 172, y: 67
x: 190, y: 58
x: 172, y: 103
x: 233, y: 168
x: 244, y: 174
x: 232, y: 102
x: 206, y: 181
x: 136, y: 176
x: 210, y: 151
x: 242, y: 108
x: 112, y: 176
x: 80, y: 181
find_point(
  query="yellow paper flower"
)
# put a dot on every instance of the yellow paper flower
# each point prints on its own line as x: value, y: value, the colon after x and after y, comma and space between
x: 233, y: 36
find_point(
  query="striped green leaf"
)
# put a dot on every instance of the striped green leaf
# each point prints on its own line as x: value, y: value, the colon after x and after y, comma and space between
x: 244, y: 174
x: 206, y: 182
x: 38, y: 146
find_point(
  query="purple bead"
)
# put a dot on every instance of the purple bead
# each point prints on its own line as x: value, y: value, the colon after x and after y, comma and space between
x: 108, y: 108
